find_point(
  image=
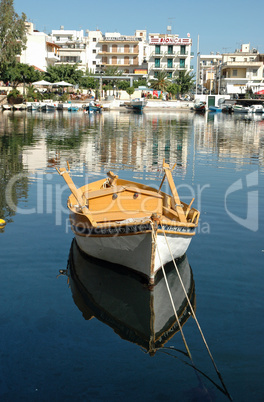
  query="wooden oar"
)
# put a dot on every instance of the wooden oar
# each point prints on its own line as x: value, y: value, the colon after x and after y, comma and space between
x: 176, y: 198
x: 78, y: 196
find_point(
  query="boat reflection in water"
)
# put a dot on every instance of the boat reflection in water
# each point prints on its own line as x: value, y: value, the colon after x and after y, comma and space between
x: 121, y: 300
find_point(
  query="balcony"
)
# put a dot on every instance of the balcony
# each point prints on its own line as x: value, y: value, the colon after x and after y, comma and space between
x: 182, y: 54
x: 53, y: 56
x: 162, y: 66
x: 119, y: 53
x: 154, y: 54
x: 242, y: 64
x: 166, y: 53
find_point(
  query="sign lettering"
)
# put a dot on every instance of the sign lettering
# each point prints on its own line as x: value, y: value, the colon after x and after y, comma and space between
x: 170, y: 41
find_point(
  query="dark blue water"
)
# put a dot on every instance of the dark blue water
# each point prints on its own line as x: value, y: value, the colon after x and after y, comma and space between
x: 50, y: 346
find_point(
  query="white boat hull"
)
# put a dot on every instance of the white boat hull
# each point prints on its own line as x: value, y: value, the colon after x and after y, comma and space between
x: 136, y: 251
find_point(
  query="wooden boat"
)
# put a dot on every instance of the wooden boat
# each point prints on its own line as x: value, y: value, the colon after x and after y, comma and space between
x: 137, y: 104
x: 136, y: 313
x: 200, y: 107
x: 131, y: 224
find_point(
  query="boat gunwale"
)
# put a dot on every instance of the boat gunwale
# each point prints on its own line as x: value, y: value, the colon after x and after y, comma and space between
x: 130, y: 233
x: 94, y: 190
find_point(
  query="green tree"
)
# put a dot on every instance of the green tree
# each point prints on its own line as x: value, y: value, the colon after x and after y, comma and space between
x: 161, y: 82
x: 130, y: 91
x: 112, y: 71
x: 123, y: 85
x: 88, y: 81
x: 141, y: 82
x: 185, y: 80
x: 12, y: 34
x: 67, y: 72
x: 174, y: 89
x: 20, y: 73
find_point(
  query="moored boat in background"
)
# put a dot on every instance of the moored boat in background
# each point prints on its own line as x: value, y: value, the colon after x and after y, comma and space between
x: 256, y: 109
x: 215, y: 109
x: 137, y: 104
x: 6, y: 106
x: 200, y: 107
x: 93, y: 108
x: 73, y: 108
x: 241, y: 109
x: 228, y: 108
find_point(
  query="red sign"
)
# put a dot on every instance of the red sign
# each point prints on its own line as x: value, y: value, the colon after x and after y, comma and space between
x: 170, y: 41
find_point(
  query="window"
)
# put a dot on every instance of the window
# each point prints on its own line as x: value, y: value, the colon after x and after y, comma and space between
x: 157, y: 49
x: 234, y: 73
x: 157, y: 63
x: 255, y: 72
x: 70, y: 59
x: 94, y: 39
x: 169, y: 75
x: 94, y: 51
x: 183, y: 50
x: 170, y: 63
x: 233, y: 59
x: 182, y: 63
x: 170, y: 49
x: 94, y: 62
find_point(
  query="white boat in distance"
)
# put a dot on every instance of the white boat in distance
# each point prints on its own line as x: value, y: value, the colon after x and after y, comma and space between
x: 131, y: 224
x: 241, y: 109
x: 256, y: 109
x: 137, y: 104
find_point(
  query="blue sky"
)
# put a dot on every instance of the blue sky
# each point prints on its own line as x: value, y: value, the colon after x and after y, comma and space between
x: 222, y: 25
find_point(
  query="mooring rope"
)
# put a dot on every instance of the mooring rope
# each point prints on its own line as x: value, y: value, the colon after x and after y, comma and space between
x: 171, y: 299
x: 192, y: 311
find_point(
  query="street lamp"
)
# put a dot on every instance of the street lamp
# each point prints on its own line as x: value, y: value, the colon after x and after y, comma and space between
x: 101, y: 80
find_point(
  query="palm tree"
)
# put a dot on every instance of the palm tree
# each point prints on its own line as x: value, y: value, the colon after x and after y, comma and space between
x: 161, y: 82
x: 185, y: 80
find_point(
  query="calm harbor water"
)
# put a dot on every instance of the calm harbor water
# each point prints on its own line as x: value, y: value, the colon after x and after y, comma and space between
x: 68, y: 341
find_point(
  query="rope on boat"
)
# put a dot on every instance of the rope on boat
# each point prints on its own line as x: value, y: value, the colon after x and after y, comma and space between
x: 192, y: 311
x: 170, y: 295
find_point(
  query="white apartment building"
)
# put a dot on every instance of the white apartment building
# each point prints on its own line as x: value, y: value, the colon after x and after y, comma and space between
x: 41, y: 51
x: 73, y: 47
x: 242, y: 70
x: 92, y: 49
x: 170, y: 53
x: 125, y: 52
x: 134, y: 55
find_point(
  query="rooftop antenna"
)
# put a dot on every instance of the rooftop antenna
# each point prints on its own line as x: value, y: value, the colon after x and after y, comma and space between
x: 169, y: 26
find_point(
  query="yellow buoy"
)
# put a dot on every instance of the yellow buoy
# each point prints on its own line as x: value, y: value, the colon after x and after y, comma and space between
x: 2, y: 223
